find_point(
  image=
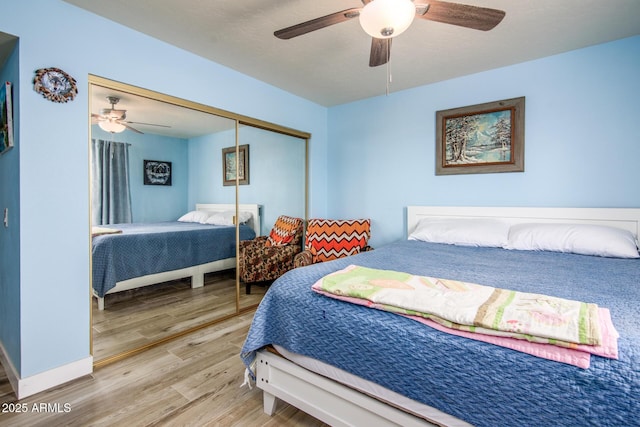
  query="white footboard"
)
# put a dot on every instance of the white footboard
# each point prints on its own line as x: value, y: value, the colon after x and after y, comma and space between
x: 322, y: 398
x: 196, y: 274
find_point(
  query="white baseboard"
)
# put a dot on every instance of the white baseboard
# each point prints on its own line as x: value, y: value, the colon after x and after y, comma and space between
x: 25, y: 387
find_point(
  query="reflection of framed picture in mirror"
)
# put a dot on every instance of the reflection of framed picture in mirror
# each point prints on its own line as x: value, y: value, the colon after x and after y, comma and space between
x: 6, y: 119
x: 157, y: 172
x: 229, y: 165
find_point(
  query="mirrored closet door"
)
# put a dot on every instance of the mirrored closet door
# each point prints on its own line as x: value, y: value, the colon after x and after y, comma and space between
x: 153, y: 161
x: 160, y: 170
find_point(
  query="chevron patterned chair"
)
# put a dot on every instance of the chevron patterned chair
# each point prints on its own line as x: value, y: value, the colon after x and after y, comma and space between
x: 269, y: 257
x: 329, y: 239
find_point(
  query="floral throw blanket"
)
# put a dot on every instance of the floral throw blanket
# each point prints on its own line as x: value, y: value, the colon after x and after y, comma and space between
x: 99, y: 231
x: 468, y: 308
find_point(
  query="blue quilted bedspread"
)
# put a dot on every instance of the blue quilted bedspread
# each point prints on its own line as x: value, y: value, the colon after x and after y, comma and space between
x: 143, y: 249
x: 481, y: 383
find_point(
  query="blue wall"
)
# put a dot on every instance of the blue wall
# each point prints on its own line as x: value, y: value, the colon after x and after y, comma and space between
x: 205, y: 169
x: 10, y: 237
x: 276, y: 172
x: 582, y: 141
x: 277, y: 175
x: 53, y: 161
x: 154, y: 203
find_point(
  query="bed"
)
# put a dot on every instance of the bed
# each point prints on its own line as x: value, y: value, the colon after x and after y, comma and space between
x: 129, y: 256
x: 347, y: 364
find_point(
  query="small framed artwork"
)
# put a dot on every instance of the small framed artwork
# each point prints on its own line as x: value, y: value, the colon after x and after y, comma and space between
x: 229, y: 165
x: 157, y: 172
x: 6, y: 117
x: 483, y: 138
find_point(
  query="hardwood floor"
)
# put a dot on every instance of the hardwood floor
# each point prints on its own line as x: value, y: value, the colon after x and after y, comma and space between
x: 192, y: 381
x: 141, y: 316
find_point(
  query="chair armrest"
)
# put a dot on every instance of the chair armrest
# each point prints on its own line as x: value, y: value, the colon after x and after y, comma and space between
x: 303, y: 259
x: 260, y: 240
x: 286, y: 251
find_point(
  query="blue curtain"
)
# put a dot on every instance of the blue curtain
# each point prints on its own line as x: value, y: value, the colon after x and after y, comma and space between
x: 110, y: 194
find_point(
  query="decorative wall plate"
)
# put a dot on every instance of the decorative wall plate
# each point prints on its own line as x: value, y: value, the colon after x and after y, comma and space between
x: 55, y: 85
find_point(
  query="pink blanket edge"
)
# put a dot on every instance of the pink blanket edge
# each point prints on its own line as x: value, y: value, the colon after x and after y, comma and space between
x: 579, y: 356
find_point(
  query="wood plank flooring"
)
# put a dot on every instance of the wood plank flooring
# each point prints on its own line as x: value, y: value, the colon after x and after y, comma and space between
x: 191, y: 381
x: 137, y: 317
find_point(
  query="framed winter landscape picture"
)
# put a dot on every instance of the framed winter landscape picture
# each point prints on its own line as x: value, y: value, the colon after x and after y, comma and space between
x: 483, y: 138
x: 229, y: 165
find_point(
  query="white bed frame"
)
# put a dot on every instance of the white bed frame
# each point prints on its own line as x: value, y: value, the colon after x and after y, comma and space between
x: 197, y: 272
x: 340, y: 405
x: 624, y: 218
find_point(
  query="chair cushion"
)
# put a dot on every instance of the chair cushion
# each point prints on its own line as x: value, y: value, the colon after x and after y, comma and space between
x: 329, y: 239
x: 284, y: 231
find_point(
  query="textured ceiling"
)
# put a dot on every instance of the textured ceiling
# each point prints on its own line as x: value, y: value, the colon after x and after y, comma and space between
x: 330, y: 66
x: 160, y: 118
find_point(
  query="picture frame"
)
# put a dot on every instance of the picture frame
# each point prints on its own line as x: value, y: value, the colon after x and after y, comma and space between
x: 229, y: 165
x: 157, y: 172
x: 6, y: 118
x: 482, y: 138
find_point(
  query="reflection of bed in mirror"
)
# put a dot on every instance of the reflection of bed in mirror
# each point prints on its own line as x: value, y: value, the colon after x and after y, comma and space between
x: 348, y: 364
x: 129, y: 256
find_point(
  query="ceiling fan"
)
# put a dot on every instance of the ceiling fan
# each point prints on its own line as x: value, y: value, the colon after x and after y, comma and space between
x: 385, y: 19
x: 112, y: 120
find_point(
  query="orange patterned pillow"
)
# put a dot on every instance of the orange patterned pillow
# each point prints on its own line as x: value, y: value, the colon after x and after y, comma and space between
x: 329, y: 239
x: 283, y: 231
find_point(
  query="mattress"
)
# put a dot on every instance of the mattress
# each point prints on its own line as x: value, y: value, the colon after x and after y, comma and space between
x: 148, y: 248
x: 477, y: 382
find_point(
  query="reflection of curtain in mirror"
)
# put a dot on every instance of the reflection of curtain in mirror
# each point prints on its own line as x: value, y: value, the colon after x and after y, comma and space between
x: 110, y: 194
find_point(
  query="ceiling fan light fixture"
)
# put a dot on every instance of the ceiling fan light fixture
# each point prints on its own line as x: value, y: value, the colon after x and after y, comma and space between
x: 384, y: 19
x: 111, y: 126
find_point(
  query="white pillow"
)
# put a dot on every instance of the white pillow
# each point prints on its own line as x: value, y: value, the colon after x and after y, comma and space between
x: 226, y: 218
x: 462, y: 231
x: 576, y: 238
x: 195, y: 216
x: 245, y: 217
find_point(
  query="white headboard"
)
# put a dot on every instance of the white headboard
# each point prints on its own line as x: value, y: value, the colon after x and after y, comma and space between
x: 252, y: 208
x: 624, y: 218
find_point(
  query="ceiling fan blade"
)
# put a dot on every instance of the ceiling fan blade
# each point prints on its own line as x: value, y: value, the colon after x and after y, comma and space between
x: 318, y: 23
x: 129, y: 127
x: 95, y: 118
x: 141, y: 123
x: 380, y: 51
x: 475, y: 17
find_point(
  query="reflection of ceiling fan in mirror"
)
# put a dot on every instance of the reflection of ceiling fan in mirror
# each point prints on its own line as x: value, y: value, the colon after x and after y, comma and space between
x: 112, y: 120
x: 384, y: 19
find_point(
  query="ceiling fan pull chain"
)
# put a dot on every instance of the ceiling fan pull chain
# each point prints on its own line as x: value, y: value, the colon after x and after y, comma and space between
x: 389, y: 79
x: 387, y: 66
